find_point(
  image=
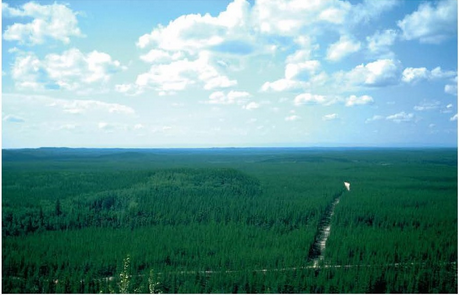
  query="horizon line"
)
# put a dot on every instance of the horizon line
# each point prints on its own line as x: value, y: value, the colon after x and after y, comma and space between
x: 245, y: 147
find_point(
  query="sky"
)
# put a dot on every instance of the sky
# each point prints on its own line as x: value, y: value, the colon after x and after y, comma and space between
x: 268, y: 73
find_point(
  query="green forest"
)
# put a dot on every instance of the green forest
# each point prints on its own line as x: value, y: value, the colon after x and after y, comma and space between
x: 229, y: 220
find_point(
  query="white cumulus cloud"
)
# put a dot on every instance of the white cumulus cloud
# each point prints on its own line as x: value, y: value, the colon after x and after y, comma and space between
x: 413, y: 75
x: 293, y: 17
x: 298, y: 69
x: 294, y: 70
x: 296, y: 17
x: 401, y: 117
x: 292, y: 118
x: 232, y: 97
x: 311, y: 99
x: 379, y: 43
x: 358, y: 100
x: 410, y: 75
x: 168, y: 78
x: 374, y: 118
x: 72, y: 70
x: 379, y: 73
x: 451, y: 89
x: 251, y: 106
x: 160, y: 56
x: 55, y: 21
x: 431, y: 23
x: 345, y: 46
x: 427, y: 106
x: 282, y: 85
x: 330, y: 117
x: 370, y: 9
x: 196, y: 32
x: 84, y: 106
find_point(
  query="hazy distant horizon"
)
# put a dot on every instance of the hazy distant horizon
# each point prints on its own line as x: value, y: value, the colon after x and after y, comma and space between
x: 318, y: 146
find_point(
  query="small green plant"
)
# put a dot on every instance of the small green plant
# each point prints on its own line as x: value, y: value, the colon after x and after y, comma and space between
x: 125, y: 278
x: 153, y: 284
x: 124, y: 284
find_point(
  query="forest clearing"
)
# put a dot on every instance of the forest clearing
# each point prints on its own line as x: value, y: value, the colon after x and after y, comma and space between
x: 229, y: 220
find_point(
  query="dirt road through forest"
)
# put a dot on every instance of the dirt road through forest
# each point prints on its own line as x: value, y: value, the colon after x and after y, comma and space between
x: 316, y: 252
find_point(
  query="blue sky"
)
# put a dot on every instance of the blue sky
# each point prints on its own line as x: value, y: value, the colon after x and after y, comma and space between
x: 229, y: 73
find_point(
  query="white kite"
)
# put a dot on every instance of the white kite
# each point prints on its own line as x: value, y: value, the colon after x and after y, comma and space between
x: 347, y: 185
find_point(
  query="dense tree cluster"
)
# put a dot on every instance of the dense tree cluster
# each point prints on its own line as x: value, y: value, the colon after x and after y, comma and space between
x: 228, y: 221
x: 165, y: 197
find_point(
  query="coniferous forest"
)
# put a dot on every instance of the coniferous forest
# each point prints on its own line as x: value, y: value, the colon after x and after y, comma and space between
x: 245, y: 220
